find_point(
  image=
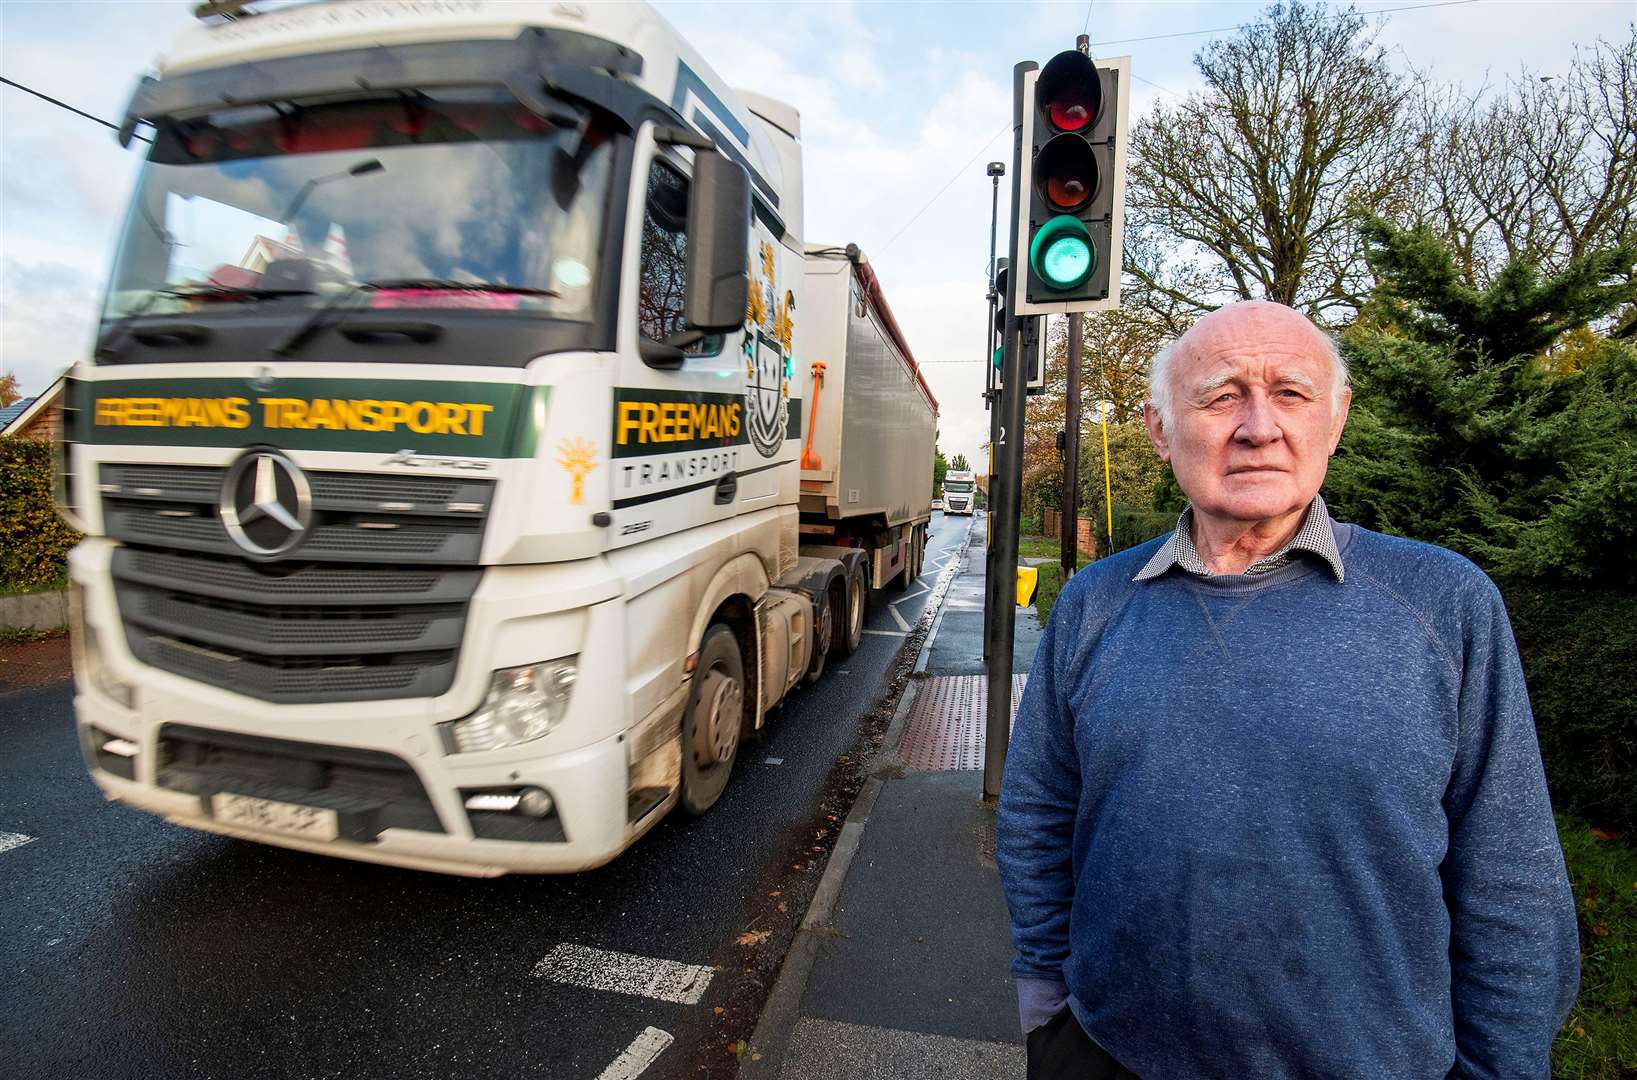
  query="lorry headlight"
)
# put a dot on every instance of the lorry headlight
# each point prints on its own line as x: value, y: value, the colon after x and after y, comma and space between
x: 523, y: 704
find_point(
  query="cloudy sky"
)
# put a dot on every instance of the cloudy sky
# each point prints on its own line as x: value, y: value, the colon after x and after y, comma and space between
x: 902, y: 105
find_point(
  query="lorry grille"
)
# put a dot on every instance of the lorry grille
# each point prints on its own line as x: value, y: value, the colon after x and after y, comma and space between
x: 312, y: 626
x: 370, y: 790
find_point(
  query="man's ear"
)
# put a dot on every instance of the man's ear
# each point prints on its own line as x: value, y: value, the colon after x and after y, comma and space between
x: 1156, y: 431
x: 1341, y: 417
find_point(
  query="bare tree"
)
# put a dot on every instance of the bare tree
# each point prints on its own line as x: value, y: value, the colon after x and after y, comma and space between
x: 1544, y: 169
x: 1246, y: 189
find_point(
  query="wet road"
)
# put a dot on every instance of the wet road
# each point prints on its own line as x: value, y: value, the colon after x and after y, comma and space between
x: 134, y: 948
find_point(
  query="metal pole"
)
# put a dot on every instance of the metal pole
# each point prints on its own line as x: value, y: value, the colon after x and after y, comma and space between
x: 1070, y: 549
x: 1005, y: 496
x: 997, y: 169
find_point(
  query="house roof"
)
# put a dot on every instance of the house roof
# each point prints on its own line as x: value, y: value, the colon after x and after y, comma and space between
x: 13, y: 411
x: 16, y: 416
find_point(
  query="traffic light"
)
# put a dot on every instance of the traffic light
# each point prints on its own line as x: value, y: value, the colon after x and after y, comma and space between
x: 1071, y: 185
x: 1034, y: 374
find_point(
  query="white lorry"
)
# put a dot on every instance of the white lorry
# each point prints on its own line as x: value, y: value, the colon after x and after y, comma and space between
x: 441, y: 463
x: 960, y: 491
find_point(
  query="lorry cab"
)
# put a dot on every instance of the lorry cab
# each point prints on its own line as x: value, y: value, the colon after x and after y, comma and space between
x: 441, y: 429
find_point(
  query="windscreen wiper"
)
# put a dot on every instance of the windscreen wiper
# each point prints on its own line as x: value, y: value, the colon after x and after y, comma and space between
x: 114, y: 341
x: 441, y: 285
x: 324, y: 317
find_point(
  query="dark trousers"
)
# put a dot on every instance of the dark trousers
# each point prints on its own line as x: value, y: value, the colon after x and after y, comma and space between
x: 1060, y: 1049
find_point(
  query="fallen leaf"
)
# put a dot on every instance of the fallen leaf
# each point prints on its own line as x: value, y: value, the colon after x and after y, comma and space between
x: 755, y: 1057
x: 775, y: 892
x: 1600, y: 930
x: 783, y: 907
x: 754, y: 937
x: 1604, y: 834
x: 718, y: 1010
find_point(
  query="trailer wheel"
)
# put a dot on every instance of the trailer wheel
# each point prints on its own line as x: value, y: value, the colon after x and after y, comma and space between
x: 900, y: 581
x: 850, y: 626
x: 824, y: 635
x: 710, y: 727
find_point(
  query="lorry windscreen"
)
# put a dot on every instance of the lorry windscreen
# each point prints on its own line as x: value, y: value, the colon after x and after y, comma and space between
x: 464, y: 200
x: 957, y: 486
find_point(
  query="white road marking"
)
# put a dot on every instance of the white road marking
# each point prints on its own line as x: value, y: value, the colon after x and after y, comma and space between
x: 921, y: 590
x: 9, y: 840
x: 640, y: 976
x: 774, y: 761
x: 888, y: 633
x: 902, y: 625
x: 642, y: 1052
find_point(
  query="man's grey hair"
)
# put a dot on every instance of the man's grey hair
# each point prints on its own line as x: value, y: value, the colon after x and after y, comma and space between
x: 1159, y: 376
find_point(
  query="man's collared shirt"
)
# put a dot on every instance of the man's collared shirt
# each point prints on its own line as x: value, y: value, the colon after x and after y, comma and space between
x: 1316, y: 537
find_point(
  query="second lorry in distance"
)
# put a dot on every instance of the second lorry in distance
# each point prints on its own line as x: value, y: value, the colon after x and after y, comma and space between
x: 960, y: 491
x: 474, y: 450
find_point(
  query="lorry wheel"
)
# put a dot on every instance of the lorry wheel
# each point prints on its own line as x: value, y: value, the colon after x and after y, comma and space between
x: 850, y: 624
x: 710, y: 728
x: 900, y: 582
x: 824, y: 632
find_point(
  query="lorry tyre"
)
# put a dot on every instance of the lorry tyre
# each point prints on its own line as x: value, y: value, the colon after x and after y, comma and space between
x: 850, y: 626
x: 711, y: 725
x: 900, y: 581
x: 826, y: 622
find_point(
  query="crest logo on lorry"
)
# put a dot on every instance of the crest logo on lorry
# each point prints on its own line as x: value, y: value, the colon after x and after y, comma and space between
x: 770, y: 329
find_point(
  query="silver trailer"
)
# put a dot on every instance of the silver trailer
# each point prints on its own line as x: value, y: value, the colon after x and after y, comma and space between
x: 871, y: 423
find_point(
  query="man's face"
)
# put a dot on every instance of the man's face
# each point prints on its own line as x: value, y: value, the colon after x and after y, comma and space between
x: 1253, y: 422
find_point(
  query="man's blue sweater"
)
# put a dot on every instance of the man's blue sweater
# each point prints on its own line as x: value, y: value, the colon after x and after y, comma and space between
x: 1288, y: 826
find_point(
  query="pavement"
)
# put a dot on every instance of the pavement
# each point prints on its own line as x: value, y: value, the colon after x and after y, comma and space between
x: 901, y: 966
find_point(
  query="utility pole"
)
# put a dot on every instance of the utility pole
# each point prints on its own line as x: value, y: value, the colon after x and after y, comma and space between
x: 1070, y: 550
x: 1005, y: 497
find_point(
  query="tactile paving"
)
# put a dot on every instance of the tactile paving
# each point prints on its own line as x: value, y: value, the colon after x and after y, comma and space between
x: 946, y: 723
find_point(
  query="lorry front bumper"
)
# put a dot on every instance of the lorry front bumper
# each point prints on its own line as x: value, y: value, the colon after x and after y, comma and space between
x: 409, y: 811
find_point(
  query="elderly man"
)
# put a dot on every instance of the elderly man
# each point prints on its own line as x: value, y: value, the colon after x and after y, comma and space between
x: 1274, y: 805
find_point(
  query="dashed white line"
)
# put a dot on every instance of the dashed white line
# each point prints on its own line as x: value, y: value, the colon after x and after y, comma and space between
x: 640, y: 976
x: 642, y: 1052
x: 9, y: 840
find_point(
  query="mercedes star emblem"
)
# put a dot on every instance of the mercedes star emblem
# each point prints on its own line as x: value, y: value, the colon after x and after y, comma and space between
x: 266, y: 504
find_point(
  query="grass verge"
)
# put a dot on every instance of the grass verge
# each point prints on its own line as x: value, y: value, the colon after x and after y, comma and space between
x: 1599, y: 1040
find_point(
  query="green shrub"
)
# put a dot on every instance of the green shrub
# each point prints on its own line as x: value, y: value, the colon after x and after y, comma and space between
x: 1132, y: 526
x: 34, y: 541
x: 1579, y: 649
x: 1599, y: 1040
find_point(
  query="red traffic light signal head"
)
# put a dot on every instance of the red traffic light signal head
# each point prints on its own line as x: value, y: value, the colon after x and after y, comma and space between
x: 1069, y: 92
x: 1065, y: 173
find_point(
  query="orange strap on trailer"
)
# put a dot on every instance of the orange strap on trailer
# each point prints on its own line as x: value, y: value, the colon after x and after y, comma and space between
x: 810, y: 460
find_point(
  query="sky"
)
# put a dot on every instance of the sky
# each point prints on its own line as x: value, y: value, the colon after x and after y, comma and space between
x: 902, y: 105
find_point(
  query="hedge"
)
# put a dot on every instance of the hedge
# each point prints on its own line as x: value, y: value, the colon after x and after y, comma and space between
x: 34, y: 541
x: 1579, y: 649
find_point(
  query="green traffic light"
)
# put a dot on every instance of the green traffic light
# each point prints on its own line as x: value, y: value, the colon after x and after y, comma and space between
x: 1062, y: 254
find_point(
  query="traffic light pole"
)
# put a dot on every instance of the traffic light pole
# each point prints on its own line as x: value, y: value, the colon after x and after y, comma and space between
x: 1070, y: 550
x: 996, y: 170
x: 1005, y: 498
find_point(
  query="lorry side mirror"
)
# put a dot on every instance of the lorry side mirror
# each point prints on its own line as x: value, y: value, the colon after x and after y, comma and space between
x: 718, y: 243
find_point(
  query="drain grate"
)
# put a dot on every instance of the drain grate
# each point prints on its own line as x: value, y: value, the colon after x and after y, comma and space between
x: 946, y: 722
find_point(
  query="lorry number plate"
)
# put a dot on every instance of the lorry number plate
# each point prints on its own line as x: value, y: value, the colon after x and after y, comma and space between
x: 291, y: 819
